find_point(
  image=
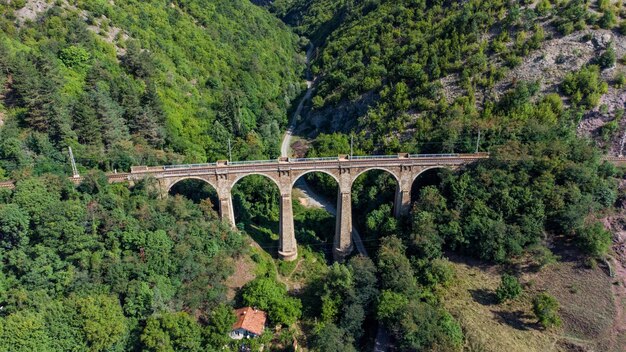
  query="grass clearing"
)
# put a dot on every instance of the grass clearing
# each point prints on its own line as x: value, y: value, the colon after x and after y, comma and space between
x: 585, y: 296
x: 487, y: 325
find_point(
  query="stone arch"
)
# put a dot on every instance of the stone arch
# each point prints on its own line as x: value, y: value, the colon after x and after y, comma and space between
x: 380, y: 168
x: 328, y: 198
x: 416, y: 187
x: 296, y: 177
x: 173, y: 182
x: 239, y: 177
x: 369, y: 240
x: 287, y: 246
x: 426, y: 169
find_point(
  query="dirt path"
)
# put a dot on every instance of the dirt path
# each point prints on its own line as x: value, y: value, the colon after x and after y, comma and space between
x: 286, y: 144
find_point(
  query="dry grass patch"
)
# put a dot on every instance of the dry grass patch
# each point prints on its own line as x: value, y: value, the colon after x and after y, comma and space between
x: 586, y: 304
x: 489, y: 326
x: 587, y: 308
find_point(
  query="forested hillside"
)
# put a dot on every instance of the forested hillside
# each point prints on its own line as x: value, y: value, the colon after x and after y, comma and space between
x: 427, y: 75
x: 136, y: 82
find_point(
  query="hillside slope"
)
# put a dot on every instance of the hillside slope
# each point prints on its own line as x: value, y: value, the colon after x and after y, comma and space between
x: 145, y: 81
x: 427, y: 75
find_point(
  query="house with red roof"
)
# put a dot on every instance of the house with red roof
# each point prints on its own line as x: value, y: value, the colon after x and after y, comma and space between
x: 250, y: 323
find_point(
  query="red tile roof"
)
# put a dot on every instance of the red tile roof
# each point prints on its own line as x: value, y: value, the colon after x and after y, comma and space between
x: 250, y: 319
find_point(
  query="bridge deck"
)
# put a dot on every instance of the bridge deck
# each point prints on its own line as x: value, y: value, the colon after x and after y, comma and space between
x: 225, y: 167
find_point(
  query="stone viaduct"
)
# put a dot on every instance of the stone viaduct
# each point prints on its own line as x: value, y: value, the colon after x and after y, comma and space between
x: 284, y: 172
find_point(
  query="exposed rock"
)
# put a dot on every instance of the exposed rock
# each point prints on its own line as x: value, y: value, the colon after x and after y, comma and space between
x: 31, y: 10
x: 601, y: 41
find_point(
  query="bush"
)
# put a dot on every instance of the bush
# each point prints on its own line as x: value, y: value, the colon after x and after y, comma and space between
x: 509, y: 288
x: 620, y: 80
x: 74, y: 56
x: 594, y: 239
x: 585, y: 87
x: 607, y: 58
x: 546, y: 309
x: 608, y: 19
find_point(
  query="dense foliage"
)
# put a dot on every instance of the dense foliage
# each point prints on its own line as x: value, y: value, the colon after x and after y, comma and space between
x: 143, y: 82
x: 105, y: 267
x: 509, y: 288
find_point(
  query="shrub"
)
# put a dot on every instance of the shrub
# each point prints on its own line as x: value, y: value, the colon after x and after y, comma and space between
x: 620, y: 80
x: 509, y: 288
x: 607, y: 58
x: 74, y: 56
x: 543, y: 7
x: 594, y: 239
x: 546, y: 309
x: 608, y: 19
x: 585, y: 87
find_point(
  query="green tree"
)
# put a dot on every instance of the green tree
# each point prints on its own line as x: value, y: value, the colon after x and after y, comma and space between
x: 102, y: 320
x: 508, y: 289
x: 271, y: 296
x: 14, y: 225
x: 329, y: 338
x: 607, y: 58
x: 585, y: 87
x: 171, y: 332
x: 394, y: 267
x: 608, y: 19
x: 24, y: 331
x: 546, y: 309
x: 594, y: 239
x: 219, y: 325
x: 74, y: 56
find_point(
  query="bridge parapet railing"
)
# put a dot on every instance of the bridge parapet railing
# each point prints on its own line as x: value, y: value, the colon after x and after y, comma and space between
x: 298, y: 160
x: 372, y: 157
x: 248, y: 162
x: 188, y: 166
x: 447, y: 155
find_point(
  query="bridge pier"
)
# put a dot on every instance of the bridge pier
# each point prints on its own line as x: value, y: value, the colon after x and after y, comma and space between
x: 226, y: 210
x: 343, y: 228
x: 402, y: 203
x: 288, y: 248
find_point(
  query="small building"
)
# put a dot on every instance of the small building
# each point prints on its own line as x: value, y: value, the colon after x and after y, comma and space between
x: 250, y: 323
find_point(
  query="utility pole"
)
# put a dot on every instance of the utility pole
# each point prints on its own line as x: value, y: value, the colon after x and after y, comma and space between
x: 74, y: 169
x: 478, y: 141
x: 230, y: 151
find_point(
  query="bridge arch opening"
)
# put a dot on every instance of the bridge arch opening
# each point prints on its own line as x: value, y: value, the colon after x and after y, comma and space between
x: 314, y: 195
x: 198, y: 191
x: 256, y: 206
x: 431, y: 177
x: 373, y: 195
